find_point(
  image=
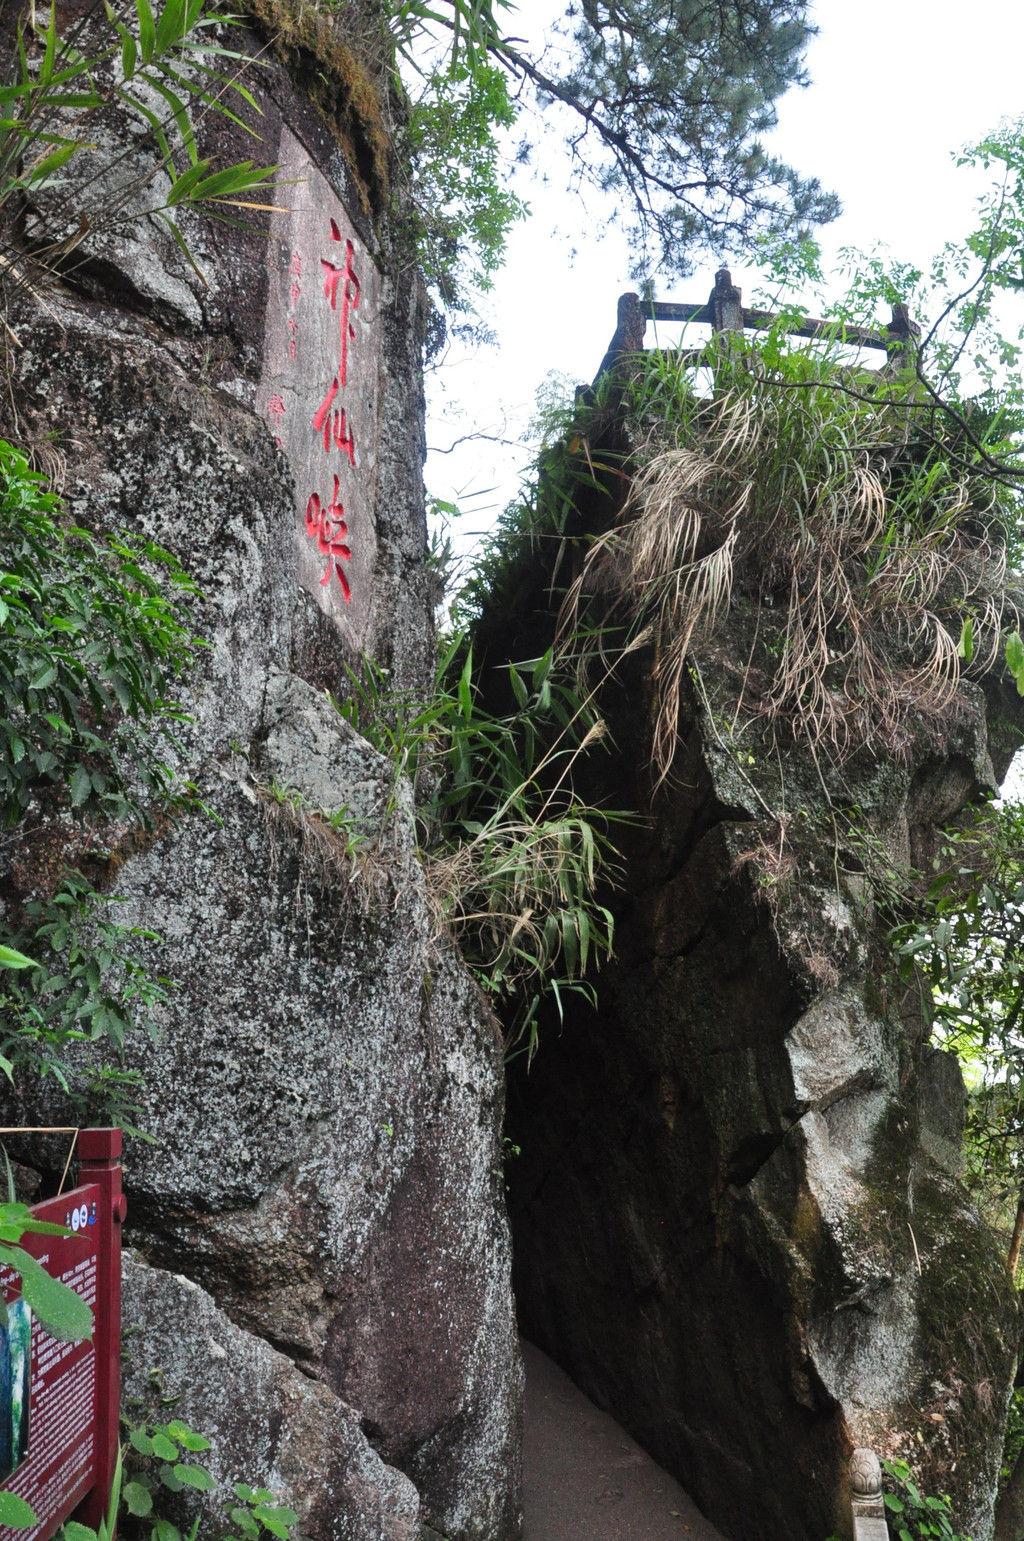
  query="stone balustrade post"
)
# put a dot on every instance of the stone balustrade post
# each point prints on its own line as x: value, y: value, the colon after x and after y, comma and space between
x: 866, y: 1497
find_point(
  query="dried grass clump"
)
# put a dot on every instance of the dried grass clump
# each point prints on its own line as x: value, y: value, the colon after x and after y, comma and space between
x: 870, y: 548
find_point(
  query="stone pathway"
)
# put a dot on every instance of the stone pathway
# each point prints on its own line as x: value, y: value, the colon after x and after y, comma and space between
x: 584, y: 1479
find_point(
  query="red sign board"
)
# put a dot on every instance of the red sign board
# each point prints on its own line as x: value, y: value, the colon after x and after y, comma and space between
x: 59, y: 1401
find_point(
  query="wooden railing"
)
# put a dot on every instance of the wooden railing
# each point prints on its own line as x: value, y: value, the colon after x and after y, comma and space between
x: 724, y: 311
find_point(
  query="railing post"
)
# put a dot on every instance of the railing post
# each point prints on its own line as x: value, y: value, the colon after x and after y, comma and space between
x: 866, y: 1497
x: 99, y: 1155
x: 902, y: 334
x: 726, y: 303
x: 628, y: 337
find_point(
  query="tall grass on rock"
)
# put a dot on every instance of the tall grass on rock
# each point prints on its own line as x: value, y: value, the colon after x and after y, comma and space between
x: 823, y: 496
x: 514, y: 857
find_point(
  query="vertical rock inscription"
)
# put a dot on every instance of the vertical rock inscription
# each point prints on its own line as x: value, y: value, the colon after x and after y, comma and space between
x: 320, y: 388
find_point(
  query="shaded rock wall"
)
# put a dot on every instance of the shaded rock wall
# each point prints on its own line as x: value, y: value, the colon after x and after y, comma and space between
x: 326, y: 1094
x: 737, y: 1215
x: 259, y: 1411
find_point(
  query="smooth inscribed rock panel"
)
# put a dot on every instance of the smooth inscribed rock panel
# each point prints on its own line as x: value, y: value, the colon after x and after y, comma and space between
x: 320, y: 388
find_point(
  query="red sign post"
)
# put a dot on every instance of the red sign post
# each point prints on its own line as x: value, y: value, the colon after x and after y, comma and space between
x: 59, y: 1401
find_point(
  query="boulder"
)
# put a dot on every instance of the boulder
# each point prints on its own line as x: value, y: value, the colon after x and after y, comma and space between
x: 267, y: 1423
x: 737, y: 1215
x: 324, y: 1095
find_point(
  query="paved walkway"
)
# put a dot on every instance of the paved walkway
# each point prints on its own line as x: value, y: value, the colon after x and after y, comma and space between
x: 584, y: 1479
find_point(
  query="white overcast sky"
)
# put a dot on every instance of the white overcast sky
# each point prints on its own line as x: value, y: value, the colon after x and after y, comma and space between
x: 897, y: 87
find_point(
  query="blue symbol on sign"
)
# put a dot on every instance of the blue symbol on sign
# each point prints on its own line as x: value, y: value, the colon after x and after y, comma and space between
x: 74, y: 1220
x: 92, y: 1214
x: 83, y: 1218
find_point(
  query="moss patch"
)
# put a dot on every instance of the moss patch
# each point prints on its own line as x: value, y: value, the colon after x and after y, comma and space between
x: 327, y: 71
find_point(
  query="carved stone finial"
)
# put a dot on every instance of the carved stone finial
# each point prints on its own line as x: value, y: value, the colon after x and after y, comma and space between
x: 868, y: 1508
x: 903, y: 334
x: 901, y: 325
x: 865, y: 1474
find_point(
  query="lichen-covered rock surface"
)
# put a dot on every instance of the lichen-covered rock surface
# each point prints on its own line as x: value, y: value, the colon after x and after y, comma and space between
x: 260, y: 1413
x: 737, y: 1214
x: 323, y: 1197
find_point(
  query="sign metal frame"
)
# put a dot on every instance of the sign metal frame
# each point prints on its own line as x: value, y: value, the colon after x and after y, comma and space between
x: 96, y: 1268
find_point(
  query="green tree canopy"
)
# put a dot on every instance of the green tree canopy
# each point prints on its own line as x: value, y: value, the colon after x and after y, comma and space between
x: 664, y: 105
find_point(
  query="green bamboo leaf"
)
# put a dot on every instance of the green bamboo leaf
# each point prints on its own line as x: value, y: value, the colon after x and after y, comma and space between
x: 171, y: 26
x: 46, y: 68
x: 1015, y: 659
x: 129, y: 59
x: 183, y: 186
x: 37, y: 176
x: 15, y: 1512
x: 518, y: 686
x: 181, y: 243
x: 60, y: 1311
x: 234, y: 179
x: 180, y: 114
x: 965, y: 647
x: 147, y: 30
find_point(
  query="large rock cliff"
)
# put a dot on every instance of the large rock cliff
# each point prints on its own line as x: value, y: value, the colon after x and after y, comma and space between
x: 737, y: 1211
x: 325, y: 1097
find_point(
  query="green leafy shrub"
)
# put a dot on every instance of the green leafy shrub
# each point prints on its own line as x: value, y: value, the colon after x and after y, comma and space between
x: 92, y: 644
x: 90, y: 648
x: 158, y: 1460
x: 167, y: 1465
x: 463, y: 206
x: 86, y: 987
x: 913, y: 1516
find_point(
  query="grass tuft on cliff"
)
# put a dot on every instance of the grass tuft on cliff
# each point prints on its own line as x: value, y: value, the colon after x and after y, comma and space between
x: 875, y: 559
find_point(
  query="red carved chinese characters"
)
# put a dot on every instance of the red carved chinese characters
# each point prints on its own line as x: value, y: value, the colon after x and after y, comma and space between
x: 345, y: 279
x: 334, y: 426
x: 326, y: 521
x: 295, y: 273
x: 275, y: 411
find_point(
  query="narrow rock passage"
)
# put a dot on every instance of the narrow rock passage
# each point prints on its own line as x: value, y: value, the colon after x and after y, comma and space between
x: 584, y: 1479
